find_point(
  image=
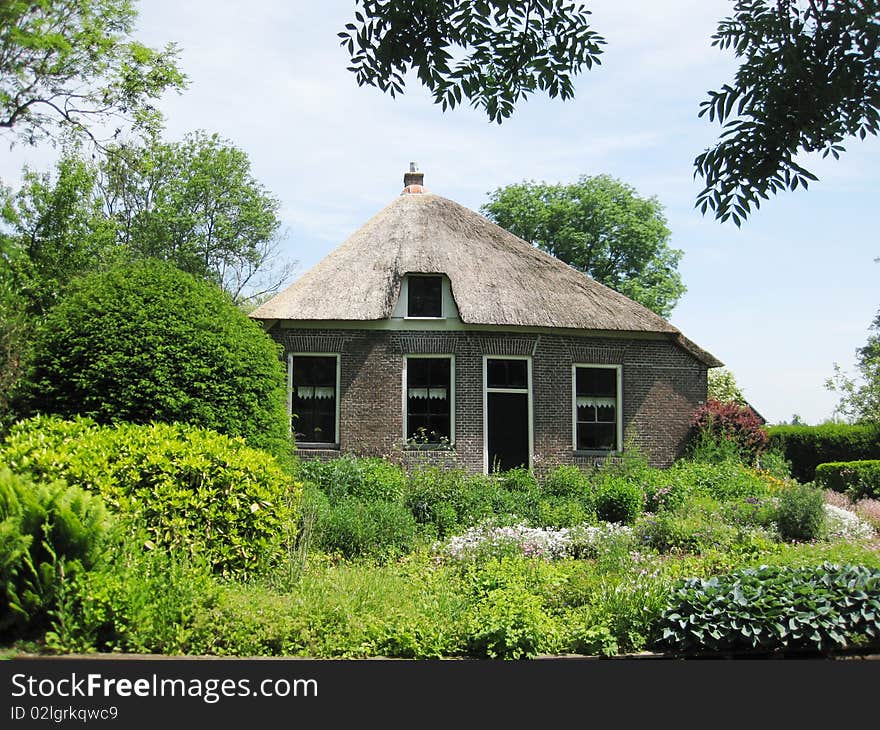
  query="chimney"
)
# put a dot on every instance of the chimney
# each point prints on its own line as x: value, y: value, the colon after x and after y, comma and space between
x: 413, y: 177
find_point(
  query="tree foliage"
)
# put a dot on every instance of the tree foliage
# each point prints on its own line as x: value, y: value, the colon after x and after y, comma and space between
x: 193, y: 203
x: 860, y: 399
x: 196, y: 204
x: 809, y: 77
x: 70, y: 65
x: 492, y: 53
x: 146, y: 342
x: 601, y: 226
x: 723, y: 387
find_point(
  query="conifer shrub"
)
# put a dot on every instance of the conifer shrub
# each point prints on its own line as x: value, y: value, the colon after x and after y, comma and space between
x: 197, y: 492
x: 146, y: 342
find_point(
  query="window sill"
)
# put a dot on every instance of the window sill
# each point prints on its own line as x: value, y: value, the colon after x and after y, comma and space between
x: 597, y: 452
x: 423, y: 319
x: 311, y: 445
x: 429, y: 447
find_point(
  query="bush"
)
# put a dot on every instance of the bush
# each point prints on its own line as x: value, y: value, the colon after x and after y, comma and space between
x: 566, y: 481
x: 354, y: 528
x: 723, y: 481
x: 801, y: 513
x: 196, y: 491
x: 858, y: 479
x: 694, y: 528
x: 369, y: 479
x: 147, y: 342
x: 808, y: 446
x: 49, y: 532
x: 774, y: 608
x: 509, y: 623
x: 731, y: 423
x: 619, y: 500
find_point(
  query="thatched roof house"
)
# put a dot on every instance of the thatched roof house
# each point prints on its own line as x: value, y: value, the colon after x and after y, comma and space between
x: 431, y: 324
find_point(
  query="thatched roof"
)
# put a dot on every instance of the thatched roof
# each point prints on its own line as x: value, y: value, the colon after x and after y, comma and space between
x: 496, y: 277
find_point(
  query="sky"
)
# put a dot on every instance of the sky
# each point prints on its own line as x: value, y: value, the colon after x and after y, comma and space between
x: 779, y: 301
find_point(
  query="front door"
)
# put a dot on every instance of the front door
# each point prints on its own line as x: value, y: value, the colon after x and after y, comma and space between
x: 507, y: 413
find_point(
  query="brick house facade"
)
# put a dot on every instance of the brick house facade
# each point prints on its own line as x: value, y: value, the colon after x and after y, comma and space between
x: 431, y: 320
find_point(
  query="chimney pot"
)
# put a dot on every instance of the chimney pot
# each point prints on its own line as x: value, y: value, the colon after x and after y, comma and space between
x: 413, y: 177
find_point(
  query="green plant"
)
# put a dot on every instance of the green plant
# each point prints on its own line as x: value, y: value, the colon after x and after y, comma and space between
x: 729, y: 427
x: 353, y: 528
x: 800, y: 514
x: 196, y: 491
x: 723, y: 480
x: 619, y: 500
x: 808, y: 446
x: 776, y: 608
x: 566, y: 481
x: 694, y: 527
x: 146, y: 342
x: 49, y: 534
x: 369, y: 479
x: 858, y: 479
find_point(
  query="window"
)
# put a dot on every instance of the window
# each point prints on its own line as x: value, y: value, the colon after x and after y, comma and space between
x: 597, y: 408
x: 425, y: 297
x: 313, y: 400
x: 429, y: 395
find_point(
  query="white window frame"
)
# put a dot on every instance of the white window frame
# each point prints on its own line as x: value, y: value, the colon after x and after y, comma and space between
x: 527, y: 390
x: 313, y: 444
x: 404, y: 393
x: 618, y: 410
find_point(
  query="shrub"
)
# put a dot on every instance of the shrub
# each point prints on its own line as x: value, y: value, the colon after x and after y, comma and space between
x: 517, y: 480
x: 356, y: 528
x: 731, y: 422
x: 801, y: 514
x: 49, y: 532
x: 808, y: 446
x: 147, y: 342
x: 196, y: 491
x: 696, y: 528
x: 619, y: 500
x: 566, y: 481
x: 368, y: 479
x: 563, y: 512
x: 858, y: 479
x: 774, y: 608
x: 723, y: 481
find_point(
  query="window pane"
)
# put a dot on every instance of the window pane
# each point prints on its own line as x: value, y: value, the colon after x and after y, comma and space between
x: 596, y: 436
x: 507, y: 374
x: 425, y: 296
x: 314, y: 399
x: 428, y: 398
x: 597, y: 381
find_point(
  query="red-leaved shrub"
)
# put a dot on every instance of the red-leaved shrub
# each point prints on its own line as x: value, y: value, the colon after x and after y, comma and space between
x: 719, y: 421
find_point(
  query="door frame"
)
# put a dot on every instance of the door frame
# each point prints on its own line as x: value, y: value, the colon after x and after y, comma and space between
x: 527, y: 391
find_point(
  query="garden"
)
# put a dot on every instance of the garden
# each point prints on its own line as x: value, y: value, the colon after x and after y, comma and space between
x: 159, y: 510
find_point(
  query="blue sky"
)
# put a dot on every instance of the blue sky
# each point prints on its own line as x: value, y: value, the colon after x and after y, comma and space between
x: 779, y: 301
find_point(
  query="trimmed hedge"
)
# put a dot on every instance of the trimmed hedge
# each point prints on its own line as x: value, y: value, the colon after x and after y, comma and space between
x: 858, y: 479
x: 196, y: 491
x: 808, y: 446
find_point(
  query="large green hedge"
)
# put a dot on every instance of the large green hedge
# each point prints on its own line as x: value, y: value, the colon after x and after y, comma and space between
x: 808, y: 446
x: 146, y: 342
x: 195, y: 491
x: 856, y: 478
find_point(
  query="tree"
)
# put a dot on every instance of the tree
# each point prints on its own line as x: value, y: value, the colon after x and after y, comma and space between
x: 860, y: 401
x: 196, y: 204
x: 193, y: 203
x: 601, y: 226
x: 723, y: 387
x: 58, y: 231
x: 506, y: 49
x: 147, y: 342
x: 809, y: 77
x: 70, y: 66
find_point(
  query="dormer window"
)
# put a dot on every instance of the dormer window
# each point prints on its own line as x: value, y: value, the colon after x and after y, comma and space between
x: 425, y: 297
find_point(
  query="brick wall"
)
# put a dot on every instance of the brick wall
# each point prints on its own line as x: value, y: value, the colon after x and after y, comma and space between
x: 662, y: 385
